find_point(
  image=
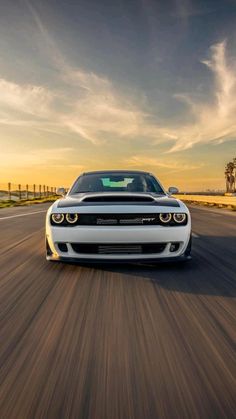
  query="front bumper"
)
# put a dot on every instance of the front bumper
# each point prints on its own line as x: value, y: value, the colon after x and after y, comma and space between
x: 116, y: 235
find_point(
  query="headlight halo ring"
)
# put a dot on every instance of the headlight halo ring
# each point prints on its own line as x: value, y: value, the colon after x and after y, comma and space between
x: 179, y: 214
x: 163, y: 219
x: 69, y: 220
x: 55, y: 220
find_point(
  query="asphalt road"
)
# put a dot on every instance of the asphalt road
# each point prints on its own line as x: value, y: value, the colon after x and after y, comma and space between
x: 117, y: 342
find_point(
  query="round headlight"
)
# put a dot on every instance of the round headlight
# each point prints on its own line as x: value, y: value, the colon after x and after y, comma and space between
x: 58, y: 218
x: 165, y: 217
x: 72, y: 218
x: 179, y: 218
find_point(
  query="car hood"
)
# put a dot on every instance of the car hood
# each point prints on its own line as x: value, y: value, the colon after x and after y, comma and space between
x: 116, y: 198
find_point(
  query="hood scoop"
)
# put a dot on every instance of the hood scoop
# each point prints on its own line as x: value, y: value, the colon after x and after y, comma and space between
x: 118, y: 198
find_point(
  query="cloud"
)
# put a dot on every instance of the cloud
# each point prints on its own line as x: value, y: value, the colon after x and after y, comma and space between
x: 49, y: 45
x: 214, y: 122
x: 28, y: 99
x: 185, y: 9
x: 99, y: 110
x: 171, y: 165
x: 95, y: 110
x: 92, y: 108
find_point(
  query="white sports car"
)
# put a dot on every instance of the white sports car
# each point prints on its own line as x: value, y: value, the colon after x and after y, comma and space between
x: 118, y: 216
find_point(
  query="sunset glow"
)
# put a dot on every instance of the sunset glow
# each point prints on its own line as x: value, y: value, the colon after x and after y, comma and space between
x: 111, y: 86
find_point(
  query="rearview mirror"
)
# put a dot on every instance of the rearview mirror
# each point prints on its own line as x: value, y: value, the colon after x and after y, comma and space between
x: 172, y: 190
x: 61, y: 191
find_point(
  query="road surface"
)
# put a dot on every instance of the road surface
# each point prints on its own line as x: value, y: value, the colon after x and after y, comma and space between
x: 117, y: 342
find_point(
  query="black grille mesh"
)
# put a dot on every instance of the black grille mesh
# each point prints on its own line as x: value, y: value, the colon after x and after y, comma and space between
x: 118, y: 248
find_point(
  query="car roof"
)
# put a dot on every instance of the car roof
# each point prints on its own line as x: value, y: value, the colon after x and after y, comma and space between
x: 116, y: 171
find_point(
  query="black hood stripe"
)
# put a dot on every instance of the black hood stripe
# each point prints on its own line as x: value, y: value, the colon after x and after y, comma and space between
x: 68, y: 203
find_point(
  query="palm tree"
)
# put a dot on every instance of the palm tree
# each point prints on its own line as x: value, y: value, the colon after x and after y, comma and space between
x: 230, y: 176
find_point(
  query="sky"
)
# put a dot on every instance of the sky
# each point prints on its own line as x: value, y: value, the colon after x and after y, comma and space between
x: 99, y: 84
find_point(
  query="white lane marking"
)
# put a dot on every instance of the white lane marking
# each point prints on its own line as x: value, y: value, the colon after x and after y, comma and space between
x: 196, y: 236
x: 22, y: 215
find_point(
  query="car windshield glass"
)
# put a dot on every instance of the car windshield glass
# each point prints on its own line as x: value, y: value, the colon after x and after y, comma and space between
x: 116, y: 182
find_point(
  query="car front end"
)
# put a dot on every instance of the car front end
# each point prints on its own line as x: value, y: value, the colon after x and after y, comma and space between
x: 114, y: 227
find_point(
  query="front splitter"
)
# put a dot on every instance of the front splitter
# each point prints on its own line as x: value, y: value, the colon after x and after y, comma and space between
x: 181, y: 258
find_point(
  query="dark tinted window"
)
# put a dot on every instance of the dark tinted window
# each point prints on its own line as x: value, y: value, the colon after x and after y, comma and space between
x: 116, y: 182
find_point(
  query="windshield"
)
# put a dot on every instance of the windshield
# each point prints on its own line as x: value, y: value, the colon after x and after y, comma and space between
x: 116, y: 182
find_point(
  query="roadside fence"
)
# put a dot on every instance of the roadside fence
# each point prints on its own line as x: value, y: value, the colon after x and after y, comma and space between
x: 17, y: 192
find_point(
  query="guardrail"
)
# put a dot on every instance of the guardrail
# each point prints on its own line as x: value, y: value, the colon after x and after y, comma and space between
x: 209, y: 199
x: 18, y: 192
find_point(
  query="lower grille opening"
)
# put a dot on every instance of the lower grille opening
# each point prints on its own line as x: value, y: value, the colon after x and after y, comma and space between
x: 62, y: 247
x: 118, y: 248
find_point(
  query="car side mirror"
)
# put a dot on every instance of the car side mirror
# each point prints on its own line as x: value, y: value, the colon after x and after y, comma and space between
x: 172, y: 190
x: 61, y: 191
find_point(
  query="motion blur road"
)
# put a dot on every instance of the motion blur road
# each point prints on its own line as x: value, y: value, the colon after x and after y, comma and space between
x: 108, y: 342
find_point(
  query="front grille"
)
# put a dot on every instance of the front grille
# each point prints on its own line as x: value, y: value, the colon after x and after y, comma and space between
x: 118, y: 248
x: 118, y: 219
